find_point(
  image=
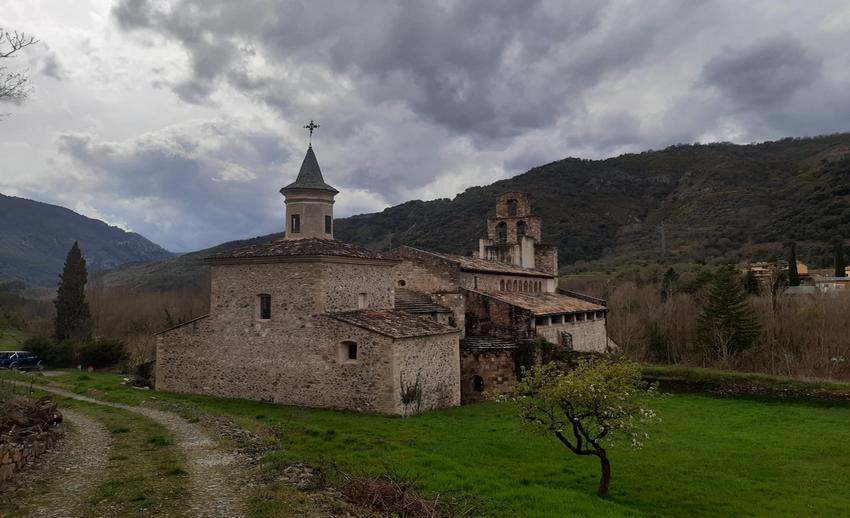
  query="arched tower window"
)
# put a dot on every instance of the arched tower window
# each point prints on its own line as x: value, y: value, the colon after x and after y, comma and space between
x: 502, y: 285
x: 502, y: 232
x: 520, y: 230
x: 512, y: 207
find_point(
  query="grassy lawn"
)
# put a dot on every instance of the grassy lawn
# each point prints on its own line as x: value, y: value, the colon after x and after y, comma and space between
x: 709, y: 456
x: 11, y: 339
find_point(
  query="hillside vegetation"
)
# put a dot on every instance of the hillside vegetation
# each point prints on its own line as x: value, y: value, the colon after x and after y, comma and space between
x: 35, y: 238
x: 714, y: 202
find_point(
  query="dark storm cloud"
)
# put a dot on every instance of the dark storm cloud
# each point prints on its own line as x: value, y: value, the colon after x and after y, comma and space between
x: 763, y: 75
x: 488, y: 69
x: 186, y: 187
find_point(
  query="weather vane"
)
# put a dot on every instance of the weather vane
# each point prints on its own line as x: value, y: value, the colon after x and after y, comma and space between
x: 311, y: 127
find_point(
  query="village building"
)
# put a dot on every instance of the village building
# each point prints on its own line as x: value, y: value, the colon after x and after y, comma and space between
x: 311, y: 321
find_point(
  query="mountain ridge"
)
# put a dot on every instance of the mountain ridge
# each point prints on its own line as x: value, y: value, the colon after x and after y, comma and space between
x: 689, y: 203
x: 35, y: 238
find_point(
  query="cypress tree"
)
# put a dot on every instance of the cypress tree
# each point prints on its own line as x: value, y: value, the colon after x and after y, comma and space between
x: 727, y: 322
x: 839, y: 258
x: 793, y: 275
x: 73, y: 318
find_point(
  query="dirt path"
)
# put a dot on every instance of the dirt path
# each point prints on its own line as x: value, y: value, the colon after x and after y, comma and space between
x: 67, y: 473
x: 214, y: 473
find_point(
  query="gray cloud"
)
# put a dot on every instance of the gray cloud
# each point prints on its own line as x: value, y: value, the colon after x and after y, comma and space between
x: 764, y: 74
x: 184, y: 187
x: 484, y: 68
x: 181, y: 119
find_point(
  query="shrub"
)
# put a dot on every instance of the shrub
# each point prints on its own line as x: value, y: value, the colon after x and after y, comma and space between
x: 103, y: 353
x: 52, y: 354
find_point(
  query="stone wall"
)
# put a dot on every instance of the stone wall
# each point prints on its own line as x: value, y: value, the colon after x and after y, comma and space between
x: 493, y: 281
x: 533, y: 228
x: 14, y: 456
x: 588, y: 335
x: 295, y: 357
x: 488, y: 316
x: 495, y: 367
x: 456, y: 303
x: 425, y: 272
x: 546, y: 259
x: 436, y: 360
x: 302, y: 366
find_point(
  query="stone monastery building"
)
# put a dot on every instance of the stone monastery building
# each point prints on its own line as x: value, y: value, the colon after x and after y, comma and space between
x: 308, y: 320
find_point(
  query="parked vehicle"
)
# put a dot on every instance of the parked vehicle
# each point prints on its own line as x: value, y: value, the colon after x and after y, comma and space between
x: 20, y: 360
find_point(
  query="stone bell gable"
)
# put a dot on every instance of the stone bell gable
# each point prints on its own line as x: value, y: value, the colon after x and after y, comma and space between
x: 514, y: 236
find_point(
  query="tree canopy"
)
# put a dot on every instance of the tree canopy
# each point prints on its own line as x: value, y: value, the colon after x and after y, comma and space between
x: 588, y: 407
x: 73, y: 318
x: 727, y: 324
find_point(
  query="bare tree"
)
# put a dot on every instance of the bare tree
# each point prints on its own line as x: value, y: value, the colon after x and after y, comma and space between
x: 13, y: 85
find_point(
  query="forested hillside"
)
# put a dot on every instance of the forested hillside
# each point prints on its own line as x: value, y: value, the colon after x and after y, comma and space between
x: 35, y: 238
x: 684, y: 204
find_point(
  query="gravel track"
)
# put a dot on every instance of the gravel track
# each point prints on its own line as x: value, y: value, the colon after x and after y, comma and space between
x: 215, y: 475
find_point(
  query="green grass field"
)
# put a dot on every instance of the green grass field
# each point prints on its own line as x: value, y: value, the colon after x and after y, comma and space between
x: 10, y: 339
x: 709, y: 456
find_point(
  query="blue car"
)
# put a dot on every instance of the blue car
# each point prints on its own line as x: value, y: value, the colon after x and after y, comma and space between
x: 20, y: 360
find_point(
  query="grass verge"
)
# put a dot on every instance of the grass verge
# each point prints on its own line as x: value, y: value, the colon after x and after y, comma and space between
x: 708, y: 456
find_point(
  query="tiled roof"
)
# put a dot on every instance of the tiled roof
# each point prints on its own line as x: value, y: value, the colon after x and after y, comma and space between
x: 393, y: 323
x: 486, y: 343
x: 299, y: 247
x: 476, y: 264
x: 310, y: 175
x: 417, y: 302
x: 545, y: 303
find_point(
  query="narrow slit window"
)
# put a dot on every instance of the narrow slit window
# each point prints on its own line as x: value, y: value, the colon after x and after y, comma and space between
x: 265, y: 306
x: 328, y: 224
x: 295, y: 225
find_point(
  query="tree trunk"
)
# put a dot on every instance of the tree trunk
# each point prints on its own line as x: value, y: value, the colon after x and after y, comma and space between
x: 605, y: 479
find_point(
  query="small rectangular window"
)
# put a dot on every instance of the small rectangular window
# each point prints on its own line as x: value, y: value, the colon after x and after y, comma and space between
x: 328, y: 225
x: 295, y: 226
x: 542, y: 321
x: 265, y: 307
x: 557, y: 319
x: 352, y: 351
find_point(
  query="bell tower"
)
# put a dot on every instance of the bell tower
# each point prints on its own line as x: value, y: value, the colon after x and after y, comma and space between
x: 309, y: 200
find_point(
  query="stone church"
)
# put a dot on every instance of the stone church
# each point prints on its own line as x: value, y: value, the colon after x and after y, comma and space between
x: 311, y: 321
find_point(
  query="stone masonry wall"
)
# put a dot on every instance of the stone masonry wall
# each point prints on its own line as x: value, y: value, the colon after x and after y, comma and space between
x: 436, y: 359
x: 302, y: 366
x: 588, y: 335
x: 425, y: 272
x: 533, y: 228
x: 295, y: 357
x: 495, y: 367
x: 546, y: 259
x: 488, y: 316
x: 492, y: 281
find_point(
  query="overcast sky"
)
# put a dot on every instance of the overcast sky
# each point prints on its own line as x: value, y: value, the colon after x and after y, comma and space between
x: 181, y: 119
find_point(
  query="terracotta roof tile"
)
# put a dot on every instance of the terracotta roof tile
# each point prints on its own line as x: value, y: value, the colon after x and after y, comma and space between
x: 299, y: 247
x: 545, y: 303
x: 393, y: 323
x: 486, y: 343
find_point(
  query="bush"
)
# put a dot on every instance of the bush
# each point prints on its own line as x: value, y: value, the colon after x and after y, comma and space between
x: 52, y: 354
x: 102, y: 354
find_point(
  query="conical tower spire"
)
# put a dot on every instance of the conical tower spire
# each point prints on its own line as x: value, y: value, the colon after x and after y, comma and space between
x: 309, y: 200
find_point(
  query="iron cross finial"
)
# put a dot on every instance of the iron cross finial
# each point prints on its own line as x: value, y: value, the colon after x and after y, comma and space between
x: 311, y: 126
